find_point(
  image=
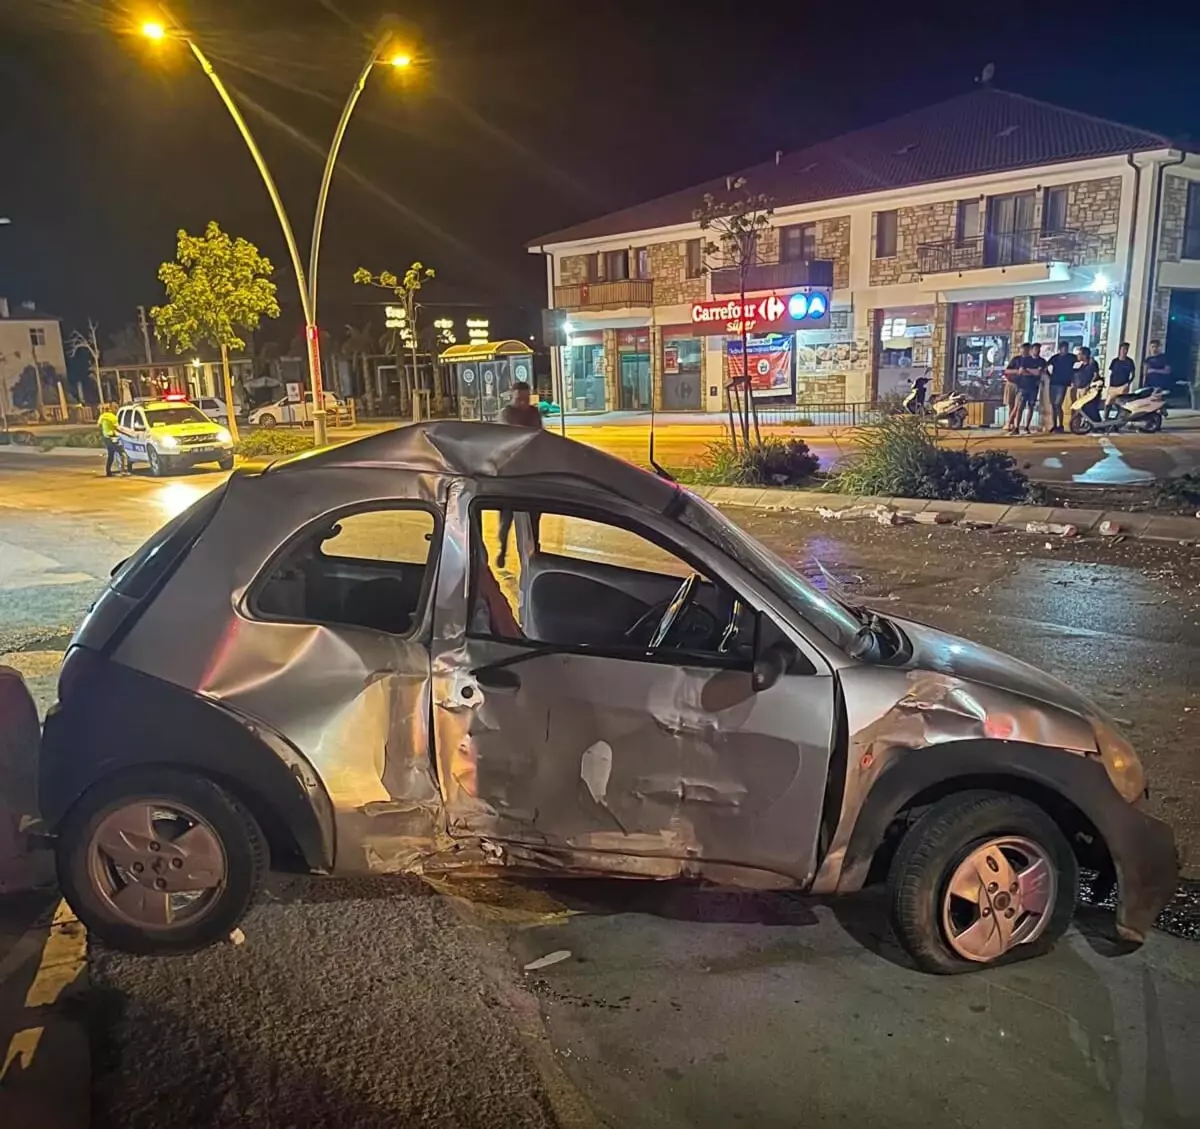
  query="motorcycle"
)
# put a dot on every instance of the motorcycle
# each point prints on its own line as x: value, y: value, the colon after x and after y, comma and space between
x: 950, y: 409
x: 1142, y: 410
x: 914, y: 403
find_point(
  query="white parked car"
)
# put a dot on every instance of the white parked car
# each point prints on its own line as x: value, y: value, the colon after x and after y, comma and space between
x: 216, y: 408
x: 284, y: 411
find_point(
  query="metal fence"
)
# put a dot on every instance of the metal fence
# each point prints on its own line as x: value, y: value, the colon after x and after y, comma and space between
x: 980, y: 413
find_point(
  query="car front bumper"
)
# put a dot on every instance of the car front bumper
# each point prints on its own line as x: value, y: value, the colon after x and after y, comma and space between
x: 190, y: 456
x: 1147, y: 865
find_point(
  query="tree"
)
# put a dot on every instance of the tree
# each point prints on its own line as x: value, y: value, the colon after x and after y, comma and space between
x: 88, y: 343
x: 215, y: 287
x: 406, y: 289
x: 358, y: 344
x: 738, y: 222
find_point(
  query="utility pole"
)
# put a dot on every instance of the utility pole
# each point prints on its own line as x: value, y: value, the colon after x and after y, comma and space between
x: 144, y: 325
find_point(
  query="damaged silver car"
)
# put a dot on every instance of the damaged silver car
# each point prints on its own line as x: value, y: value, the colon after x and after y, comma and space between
x: 335, y: 663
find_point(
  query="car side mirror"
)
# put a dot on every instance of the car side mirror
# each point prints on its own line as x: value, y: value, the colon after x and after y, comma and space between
x: 771, y: 665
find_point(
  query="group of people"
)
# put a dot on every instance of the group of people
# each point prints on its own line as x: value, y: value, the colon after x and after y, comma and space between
x: 1029, y: 374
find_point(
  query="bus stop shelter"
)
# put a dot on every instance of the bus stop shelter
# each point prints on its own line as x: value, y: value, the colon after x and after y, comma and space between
x: 484, y: 371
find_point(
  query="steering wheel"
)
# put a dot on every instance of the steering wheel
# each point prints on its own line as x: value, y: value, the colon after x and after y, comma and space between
x: 680, y: 602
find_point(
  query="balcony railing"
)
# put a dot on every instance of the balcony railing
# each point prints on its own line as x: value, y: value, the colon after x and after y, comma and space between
x: 605, y: 295
x: 1010, y: 248
x: 775, y: 276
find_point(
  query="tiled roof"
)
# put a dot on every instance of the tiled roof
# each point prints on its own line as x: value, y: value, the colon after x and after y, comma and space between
x: 985, y: 131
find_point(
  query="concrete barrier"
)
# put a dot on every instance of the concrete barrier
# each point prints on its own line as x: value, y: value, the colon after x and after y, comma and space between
x: 24, y: 863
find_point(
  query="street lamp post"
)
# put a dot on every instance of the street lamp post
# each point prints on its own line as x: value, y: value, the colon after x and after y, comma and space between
x: 307, y: 288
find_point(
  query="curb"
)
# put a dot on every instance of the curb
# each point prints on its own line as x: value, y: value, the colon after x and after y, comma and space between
x: 60, y: 452
x: 1142, y: 526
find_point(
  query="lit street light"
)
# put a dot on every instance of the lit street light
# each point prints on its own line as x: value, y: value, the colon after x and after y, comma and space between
x: 308, y: 290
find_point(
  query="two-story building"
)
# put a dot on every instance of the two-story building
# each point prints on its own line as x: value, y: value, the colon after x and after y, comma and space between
x: 947, y: 237
x: 28, y: 339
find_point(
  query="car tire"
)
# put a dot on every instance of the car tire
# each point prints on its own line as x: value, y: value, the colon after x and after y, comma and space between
x: 943, y: 845
x: 226, y: 463
x: 243, y: 850
x: 267, y: 420
x: 158, y: 465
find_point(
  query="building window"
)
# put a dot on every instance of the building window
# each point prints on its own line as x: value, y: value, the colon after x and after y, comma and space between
x: 885, y: 234
x: 966, y: 222
x: 798, y: 243
x: 694, y: 258
x: 37, y: 336
x: 641, y: 262
x: 1054, y: 210
x: 595, y: 267
x: 616, y: 266
x: 1191, y: 227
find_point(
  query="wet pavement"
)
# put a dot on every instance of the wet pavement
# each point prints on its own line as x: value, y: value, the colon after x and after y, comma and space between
x: 387, y: 1003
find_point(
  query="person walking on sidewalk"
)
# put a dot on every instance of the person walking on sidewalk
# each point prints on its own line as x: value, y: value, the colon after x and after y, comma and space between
x: 519, y: 412
x: 110, y: 435
x: 1062, y: 373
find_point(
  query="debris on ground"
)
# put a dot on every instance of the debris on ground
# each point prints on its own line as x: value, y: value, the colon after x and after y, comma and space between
x: 1052, y: 527
x: 237, y: 937
x: 548, y: 959
x: 1110, y: 528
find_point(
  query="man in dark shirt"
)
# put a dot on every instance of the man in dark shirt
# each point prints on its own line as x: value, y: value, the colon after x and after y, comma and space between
x: 1120, y: 375
x: 1062, y: 372
x: 1025, y: 372
x: 1156, y: 370
x: 520, y: 412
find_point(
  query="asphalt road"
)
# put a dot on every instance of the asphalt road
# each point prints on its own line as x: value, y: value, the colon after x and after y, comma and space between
x: 387, y: 1003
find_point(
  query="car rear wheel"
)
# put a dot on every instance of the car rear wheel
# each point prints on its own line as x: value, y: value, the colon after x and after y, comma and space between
x: 160, y: 861
x: 982, y: 878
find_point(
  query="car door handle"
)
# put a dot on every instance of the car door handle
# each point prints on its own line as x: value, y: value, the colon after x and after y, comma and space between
x: 502, y: 678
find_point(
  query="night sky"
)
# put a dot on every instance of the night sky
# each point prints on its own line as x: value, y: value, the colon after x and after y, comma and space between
x: 523, y: 117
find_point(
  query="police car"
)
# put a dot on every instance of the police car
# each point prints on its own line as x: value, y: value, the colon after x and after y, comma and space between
x: 172, y: 433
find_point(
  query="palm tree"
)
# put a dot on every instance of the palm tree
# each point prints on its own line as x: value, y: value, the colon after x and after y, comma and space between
x: 359, y: 343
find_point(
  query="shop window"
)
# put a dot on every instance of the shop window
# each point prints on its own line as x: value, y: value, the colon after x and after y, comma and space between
x: 1054, y: 210
x: 694, y: 258
x: 616, y: 266
x: 583, y: 376
x: 1191, y: 229
x: 885, y: 234
x: 798, y: 243
x: 966, y: 221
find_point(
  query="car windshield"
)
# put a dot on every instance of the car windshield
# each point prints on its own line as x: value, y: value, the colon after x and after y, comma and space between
x: 829, y: 617
x: 185, y: 413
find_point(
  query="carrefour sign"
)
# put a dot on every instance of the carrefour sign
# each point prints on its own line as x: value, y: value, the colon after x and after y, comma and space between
x: 799, y: 309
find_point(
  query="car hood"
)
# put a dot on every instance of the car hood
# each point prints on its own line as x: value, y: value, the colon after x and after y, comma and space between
x: 960, y: 658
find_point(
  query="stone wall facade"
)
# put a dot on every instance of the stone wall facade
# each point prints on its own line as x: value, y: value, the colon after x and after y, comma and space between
x: 1093, y: 211
x: 668, y: 268
x: 924, y: 223
x: 573, y: 269
x: 1174, y: 218
x: 833, y: 243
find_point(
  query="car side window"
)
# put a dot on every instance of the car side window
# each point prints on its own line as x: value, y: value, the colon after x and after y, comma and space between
x: 364, y: 568
x: 585, y: 582
x: 123, y: 418
x: 139, y: 420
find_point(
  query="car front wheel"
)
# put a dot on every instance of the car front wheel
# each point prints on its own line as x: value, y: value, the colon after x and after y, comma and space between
x: 981, y: 878
x: 158, y: 465
x: 160, y: 861
x: 267, y: 420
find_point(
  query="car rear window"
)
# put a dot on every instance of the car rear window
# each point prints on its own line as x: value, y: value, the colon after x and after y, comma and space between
x: 156, y: 559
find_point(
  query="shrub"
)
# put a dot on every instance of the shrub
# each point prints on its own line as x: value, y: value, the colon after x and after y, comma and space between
x: 773, y: 462
x: 898, y: 457
x: 1183, y: 491
x: 271, y: 442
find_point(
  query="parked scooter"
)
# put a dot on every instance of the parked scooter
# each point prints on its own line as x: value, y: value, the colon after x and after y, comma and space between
x: 1142, y: 410
x: 914, y: 403
x: 951, y: 410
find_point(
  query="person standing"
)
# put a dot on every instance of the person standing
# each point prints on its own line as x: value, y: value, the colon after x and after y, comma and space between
x: 1121, y: 372
x: 1012, y: 373
x: 1040, y: 367
x: 1025, y: 373
x: 520, y: 411
x: 1087, y: 371
x: 1062, y: 373
x: 1156, y: 369
x: 110, y: 436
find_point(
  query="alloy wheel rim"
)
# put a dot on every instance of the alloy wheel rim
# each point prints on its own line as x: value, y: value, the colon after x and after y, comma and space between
x: 157, y: 864
x: 1001, y: 895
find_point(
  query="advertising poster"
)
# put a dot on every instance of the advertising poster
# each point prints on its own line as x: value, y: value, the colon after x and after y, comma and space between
x: 771, y: 369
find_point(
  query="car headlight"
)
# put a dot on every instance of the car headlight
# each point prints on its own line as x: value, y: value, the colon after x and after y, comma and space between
x: 168, y: 441
x: 223, y: 436
x: 1120, y: 762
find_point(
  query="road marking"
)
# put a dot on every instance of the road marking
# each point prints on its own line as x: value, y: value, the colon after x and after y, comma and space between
x: 21, y: 1049
x: 63, y: 958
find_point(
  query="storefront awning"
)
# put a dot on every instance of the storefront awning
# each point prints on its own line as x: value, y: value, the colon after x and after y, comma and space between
x: 485, y: 351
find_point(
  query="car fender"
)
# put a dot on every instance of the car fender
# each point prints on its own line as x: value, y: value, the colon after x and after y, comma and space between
x: 1142, y: 848
x: 119, y: 719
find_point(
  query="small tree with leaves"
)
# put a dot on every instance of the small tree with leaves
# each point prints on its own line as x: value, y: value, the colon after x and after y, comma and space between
x: 736, y: 224
x: 216, y: 287
x: 406, y: 289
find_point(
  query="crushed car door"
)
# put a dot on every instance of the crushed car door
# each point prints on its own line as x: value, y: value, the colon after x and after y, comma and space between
x: 569, y: 734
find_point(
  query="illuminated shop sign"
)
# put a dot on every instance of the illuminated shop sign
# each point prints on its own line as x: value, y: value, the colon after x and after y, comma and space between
x: 801, y: 309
